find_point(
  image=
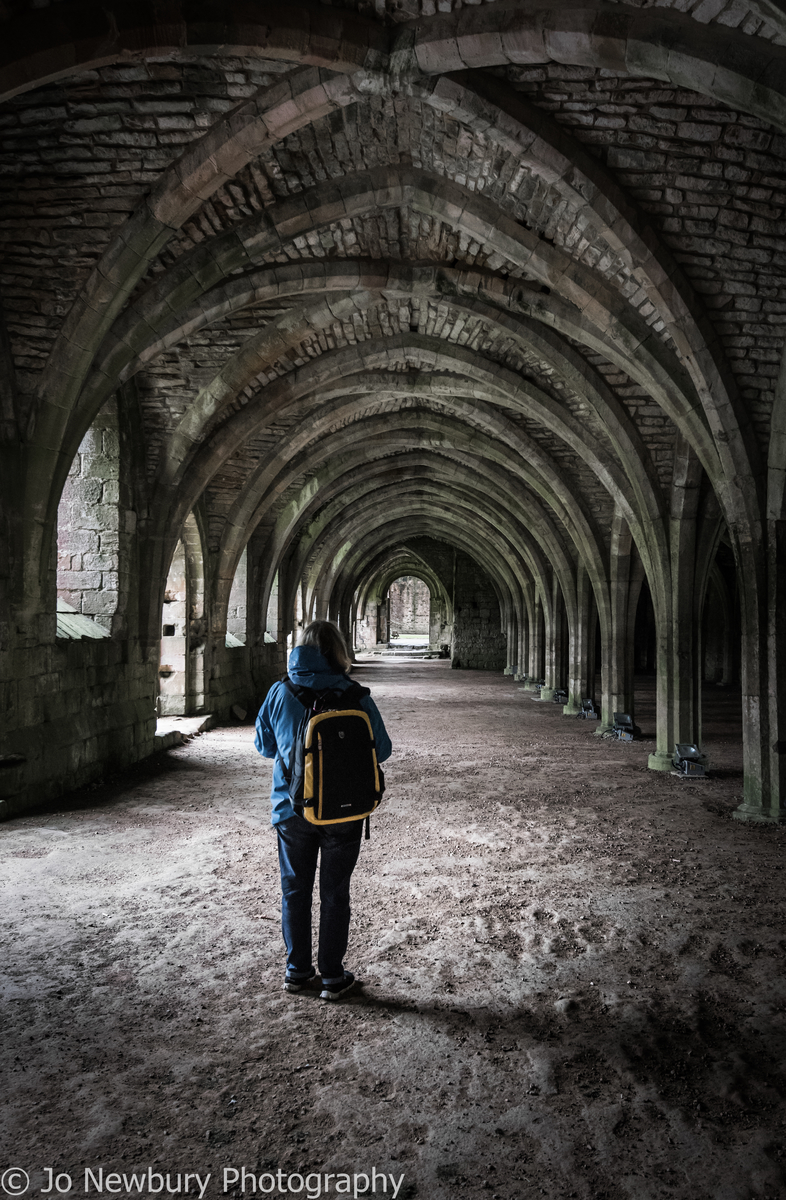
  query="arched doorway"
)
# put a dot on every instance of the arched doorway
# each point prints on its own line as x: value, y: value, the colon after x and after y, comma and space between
x: 408, y: 612
x: 182, y: 669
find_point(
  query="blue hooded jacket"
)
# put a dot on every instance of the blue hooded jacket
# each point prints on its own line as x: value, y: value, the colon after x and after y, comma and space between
x: 281, y: 714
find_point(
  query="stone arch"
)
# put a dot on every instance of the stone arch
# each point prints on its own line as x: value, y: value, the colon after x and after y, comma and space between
x: 660, y: 44
x: 471, y: 537
x: 586, y: 309
x: 580, y: 38
x: 327, y: 449
x: 400, y: 562
x: 367, y: 481
x: 568, y: 305
x: 352, y: 481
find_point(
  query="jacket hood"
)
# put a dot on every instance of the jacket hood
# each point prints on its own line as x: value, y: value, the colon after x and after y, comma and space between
x: 309, y: 668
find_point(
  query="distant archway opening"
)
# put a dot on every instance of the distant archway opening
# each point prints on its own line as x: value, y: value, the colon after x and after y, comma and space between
x: 183, y: 627
x: 408, y: 611
x: 90, y: 532
x: 237, y: 606
x: 272, y: 615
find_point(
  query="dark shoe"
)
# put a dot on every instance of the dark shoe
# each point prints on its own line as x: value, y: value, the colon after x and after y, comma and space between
x: 297, y: 983
x: 332, y: 991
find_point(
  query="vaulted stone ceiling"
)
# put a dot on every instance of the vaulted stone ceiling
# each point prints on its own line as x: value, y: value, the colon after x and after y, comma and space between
x: 494, y: 268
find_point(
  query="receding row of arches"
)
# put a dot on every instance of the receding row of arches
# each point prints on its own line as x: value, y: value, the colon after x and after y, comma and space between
x: 482, y: 299
x: 548, y: 638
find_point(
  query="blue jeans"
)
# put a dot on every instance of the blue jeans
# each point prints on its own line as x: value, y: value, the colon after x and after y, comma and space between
x: 299, y: 843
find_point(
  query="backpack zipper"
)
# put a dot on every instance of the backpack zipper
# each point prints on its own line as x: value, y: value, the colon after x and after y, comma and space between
x: 319, y: 743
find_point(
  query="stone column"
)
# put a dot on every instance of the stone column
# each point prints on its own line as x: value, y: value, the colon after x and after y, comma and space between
x: 199, y: 616
x: 561, y: 638
x: 686, y: 684
x: 578, y: 654
x: 592, y: 645
x: 554, y: 643
x: 764, y: 686
x: 511, y: 642
x: 536, y: 643
x: 775, y: 809
x: 523, y: 650
x: 549, y: 642
x: 267, y: 660
x: 617, y: 676
x: 678, y: 695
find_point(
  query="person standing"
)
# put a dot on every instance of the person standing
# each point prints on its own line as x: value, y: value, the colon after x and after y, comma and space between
x: 321, y: 662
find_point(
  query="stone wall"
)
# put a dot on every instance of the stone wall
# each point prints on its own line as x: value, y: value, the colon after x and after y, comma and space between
x: 76, y: 711
x: 72, y: 712
x: 88, y: 523
x: 229, y: 682
x: 478, y: 642
x: 410, y: 604
x: 366, y: 629
x: 268, y: 663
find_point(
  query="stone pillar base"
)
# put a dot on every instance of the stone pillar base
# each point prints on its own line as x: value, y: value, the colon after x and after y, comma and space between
x: 508, y: 671
x: 547, y: 693
x: 749, y: 812
x: 571, y: 709
x: 599, y: 732
x: 660, y: 761
x: 529, y: 686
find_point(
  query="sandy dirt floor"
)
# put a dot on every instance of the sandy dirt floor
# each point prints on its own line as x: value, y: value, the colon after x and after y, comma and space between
x: 572, y: 972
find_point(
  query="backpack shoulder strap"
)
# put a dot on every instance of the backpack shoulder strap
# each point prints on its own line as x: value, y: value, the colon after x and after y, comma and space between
x: 306, y: 696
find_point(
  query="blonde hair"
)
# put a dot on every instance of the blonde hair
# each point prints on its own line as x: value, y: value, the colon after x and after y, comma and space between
x: 329, y: 640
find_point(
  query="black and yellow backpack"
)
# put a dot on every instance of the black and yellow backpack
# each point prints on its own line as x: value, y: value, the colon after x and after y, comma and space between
x: 333, y: 772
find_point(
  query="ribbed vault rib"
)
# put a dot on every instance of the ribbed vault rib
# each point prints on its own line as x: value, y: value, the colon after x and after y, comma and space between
x: 331, y: 493
x: 507, y: 448
x: 654, y: 43
x: 590, y: 312
x: 562, y: 358
x: 366, y: 489
x: 472, y: 535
